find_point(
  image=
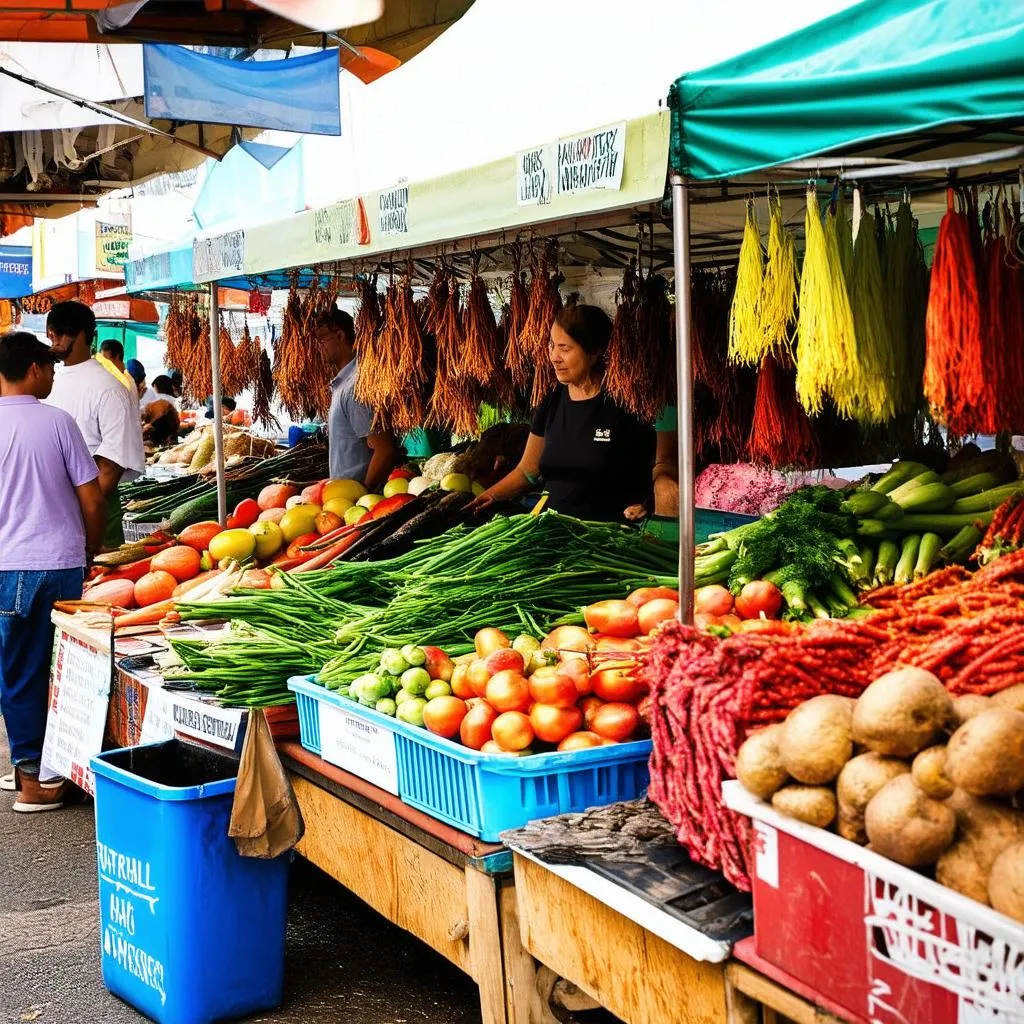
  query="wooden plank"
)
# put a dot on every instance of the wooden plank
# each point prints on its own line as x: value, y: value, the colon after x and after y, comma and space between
x: 520, y: 967
x: 775, y: 998
x: 387, y: 870
x: 739, y: 1007
x: 486, y: 966
x: 634, y: 974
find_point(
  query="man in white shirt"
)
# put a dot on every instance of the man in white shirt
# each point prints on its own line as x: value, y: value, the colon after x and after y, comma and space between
x: 105, y: 411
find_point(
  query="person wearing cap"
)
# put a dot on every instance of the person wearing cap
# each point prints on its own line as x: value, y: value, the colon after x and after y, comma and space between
x: 105, y: 412
x: 51, y: 520
x: 137, y: 372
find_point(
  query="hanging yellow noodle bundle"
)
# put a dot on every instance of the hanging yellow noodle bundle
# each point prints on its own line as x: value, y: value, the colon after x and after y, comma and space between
x: 746, y: 342
x: 840, y: 223
x: 777, y: 306
x: 872, y: 386
x: 826, y: 344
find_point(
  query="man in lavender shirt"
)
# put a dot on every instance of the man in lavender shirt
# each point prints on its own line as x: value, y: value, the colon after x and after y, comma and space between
x: 51, y: 515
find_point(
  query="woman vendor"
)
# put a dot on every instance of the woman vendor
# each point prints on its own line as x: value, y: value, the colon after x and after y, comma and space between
x: 594, y: 458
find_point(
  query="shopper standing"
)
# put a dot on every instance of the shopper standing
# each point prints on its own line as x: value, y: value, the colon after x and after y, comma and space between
x: 105, y: 411
x: 51, y: 518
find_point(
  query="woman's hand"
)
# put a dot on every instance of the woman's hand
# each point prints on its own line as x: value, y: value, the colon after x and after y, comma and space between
x: 481, y: 503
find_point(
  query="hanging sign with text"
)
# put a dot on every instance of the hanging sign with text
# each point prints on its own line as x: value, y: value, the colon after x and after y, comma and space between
x: 535, y: 175
x: 112, y: 241
x: 591, y: 161
x: 333, y: 225
x: 393, y: 211
x: 217, y: 257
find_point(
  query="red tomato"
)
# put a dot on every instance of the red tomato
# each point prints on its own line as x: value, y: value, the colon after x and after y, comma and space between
x: 770, y: 627
x: 508, y: 691
x: 616, y: 685
x: 314, y: 493
x: 477, y: 676
x: 615, y: 721
x: 475, y: 729
x: 444, y: 715
x: 655, y: 612
x: 154, y: 587
x: 549, y: 686
x: 713, y: 599
x: 567, y: 638
x: 247, y: 512
x: 488, y: 640
x: 199, y: 535
x: 589, y: 706
x: 730, y: 621
x: 613, y: 618
x: 578, y: 670
x: 294, y: 549
x: 645, y: 594
x: 504, y: 659
x: 181, y: 561
x: 512, y: 731
x: 460, y: 682
x: 702, y: 620
x: 275, y: 495
x: 551, y: 724
x: 581, y: 741
x: 401, y: 474
x: 757, y: 597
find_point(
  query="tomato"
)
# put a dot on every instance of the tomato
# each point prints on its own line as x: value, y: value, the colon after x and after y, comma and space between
x: 645, y: 594
x: 401, y: 474
x: 508, y: 691
x: 275, y: 496
x: 247, y: 512
x: 460, y: 682
x: 713, y: 599
x: 581, y: 741
x: 181, y: 561
x: 757, y: 598
x: 618, y: 645
x: 199, y: 535
x: 730, y: 622
x: 444, y: 716
x: 770, y: 627
x: 616, y: 685
x: 549, y: 686
x: 701, y: 620
x: 613, y: 618
x: 656, y: 612
x: 438, y: 664
x: 477, y: 675
x: 475, y: 728
x: 504, y: 659
x: 154, y: 587
x: 589, y: 706
x: 615, y: 721
x: 489, y: 640
x: 512, y: 731
x: 551, y: 724
x: 578, y: 670
x: 303, y: 540
x: 567, y: 638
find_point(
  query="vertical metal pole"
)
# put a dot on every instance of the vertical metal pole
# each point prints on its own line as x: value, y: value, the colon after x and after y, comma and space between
x: 218, y: 412
x: 684, y: 391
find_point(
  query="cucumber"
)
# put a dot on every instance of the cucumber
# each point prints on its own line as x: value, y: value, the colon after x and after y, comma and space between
x: 927, y: 554
x: 974, y: 484
x: 908, y: 559
x: 899, y: 474
x: 888, y: 556
x: 905, y: 490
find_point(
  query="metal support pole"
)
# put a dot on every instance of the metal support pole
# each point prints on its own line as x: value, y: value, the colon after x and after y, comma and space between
x: 684, y: 391
x: 218, y: 410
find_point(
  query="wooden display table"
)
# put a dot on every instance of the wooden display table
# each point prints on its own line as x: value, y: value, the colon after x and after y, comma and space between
x: 380, y: 849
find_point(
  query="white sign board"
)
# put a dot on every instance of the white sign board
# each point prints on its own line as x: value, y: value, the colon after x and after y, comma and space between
x: 80, y: 679
x: 219, y: 726
x: 217, y: 257
x: 158, y: 721
x: 593, y: 160
x: 333, y: 226
x: 535, y: 175
x: 393, y: 211
x: 360, y: 747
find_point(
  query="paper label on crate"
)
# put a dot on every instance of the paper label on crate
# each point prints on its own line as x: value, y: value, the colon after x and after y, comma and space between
x: 158, y: 722
x: 766, y: 853
x: 80, y: 678
x: 358, y: 746
x: 219, y: 726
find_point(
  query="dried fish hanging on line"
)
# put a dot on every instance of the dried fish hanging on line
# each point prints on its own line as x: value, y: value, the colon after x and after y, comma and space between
x: 826, y: 344
x: 746, y: 339
x: 518, y: 361
x: 545, y: 305
x: 954, y: 376
x: 777, y: 307
x: 781, y: 435
x: 482, y: 359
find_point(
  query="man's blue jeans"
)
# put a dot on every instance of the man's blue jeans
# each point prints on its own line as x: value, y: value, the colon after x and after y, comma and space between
x: 26, y: 646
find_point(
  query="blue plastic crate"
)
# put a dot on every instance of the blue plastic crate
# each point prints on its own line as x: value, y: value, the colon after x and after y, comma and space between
x: 191, y: 932
x: 709, y: 520
x: 485, y: 794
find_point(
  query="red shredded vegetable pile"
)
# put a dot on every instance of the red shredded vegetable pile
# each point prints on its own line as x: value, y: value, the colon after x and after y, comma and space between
x: 708, y: 694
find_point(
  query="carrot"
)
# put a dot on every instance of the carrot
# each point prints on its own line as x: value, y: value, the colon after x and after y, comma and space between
x: 326, y: 557
x: 148, y: 616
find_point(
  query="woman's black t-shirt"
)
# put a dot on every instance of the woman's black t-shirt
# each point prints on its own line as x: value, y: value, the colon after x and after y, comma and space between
x: 597, y: 457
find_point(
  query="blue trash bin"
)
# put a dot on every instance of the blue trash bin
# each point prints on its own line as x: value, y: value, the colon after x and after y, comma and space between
x: 191, y: 932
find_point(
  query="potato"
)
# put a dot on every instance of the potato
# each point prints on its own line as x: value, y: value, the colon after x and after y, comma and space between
x: 929, y: 771
x: 985, y: 756
x: 863, y: 777
x: 1006, y: 882
x: 759, y: 765
x: 850, y: 825
x: 902, y: 712
x: 907, y: 826
x: 1012, y: 697
x: 969, y: 705
x: 814, y: 804
x: 984, y: 830
x: 815, y: 741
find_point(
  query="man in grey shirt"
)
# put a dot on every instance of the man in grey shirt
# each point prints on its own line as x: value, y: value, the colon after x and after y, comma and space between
x: 357, y: 451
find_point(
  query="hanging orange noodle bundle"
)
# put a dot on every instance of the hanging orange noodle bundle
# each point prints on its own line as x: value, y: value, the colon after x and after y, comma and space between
x: 778, y: 301
x: 247, y: 360
x: 399, y: 367
x: 746, y: 339
x: 455, y: 402
x: 177, y: 331
x: 954, y: 372
x: 513, y: 322
x: 290, y: 358
x: 263, y: 392
x: 655, y: 336
x: 621, y: 368
x: 781, y: 435
x: 229, y: 369
x: 545, y: 305
x: 482, y: 351
x: 826, y: 344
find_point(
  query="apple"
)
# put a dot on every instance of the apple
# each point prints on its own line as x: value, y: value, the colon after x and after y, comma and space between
x: 339, y: 506
x: 397, y: 486
x: 271, y: 515
x: 367, y: 501
x: 355, y: 514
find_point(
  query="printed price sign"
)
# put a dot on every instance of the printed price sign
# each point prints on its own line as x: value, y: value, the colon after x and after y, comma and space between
x: 220, y: 726
x: 158, y: 721
x: 80, y: 679
x: 360, y: 747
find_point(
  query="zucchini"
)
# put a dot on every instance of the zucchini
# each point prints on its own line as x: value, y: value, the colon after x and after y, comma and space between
x: 864, y: 503
x: 908, y: 559
x: 905, y: 490
x: 927, y: 554
x: 931, y: 497
x: 888, y: 556
x: 899, y: 474
x: 961, y: 546
x: 867, y: 557
x: 989, y: 500
x: 946, y: 523
x: 974, y: 484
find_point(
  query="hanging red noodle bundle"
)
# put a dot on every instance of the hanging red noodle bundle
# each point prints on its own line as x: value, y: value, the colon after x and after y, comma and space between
x: 780, y: 432
x: 482, y: 355
x: 513, y: 321
x: 545, y: 304
x: 621, y: 363
x: 455, y: 402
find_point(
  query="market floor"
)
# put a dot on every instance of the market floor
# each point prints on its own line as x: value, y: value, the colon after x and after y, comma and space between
x: 345, y: 962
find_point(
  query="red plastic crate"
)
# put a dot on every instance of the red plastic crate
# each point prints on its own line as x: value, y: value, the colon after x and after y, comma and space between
x: 880, y: 940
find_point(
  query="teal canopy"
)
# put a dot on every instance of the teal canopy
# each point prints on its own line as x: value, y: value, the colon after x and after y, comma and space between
x: 879, y: 69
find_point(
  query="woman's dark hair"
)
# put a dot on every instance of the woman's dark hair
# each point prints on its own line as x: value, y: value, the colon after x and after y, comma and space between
x: 163, y: 385
x: 589, y: 326
x: 19, y: 351
x: 69, y: 319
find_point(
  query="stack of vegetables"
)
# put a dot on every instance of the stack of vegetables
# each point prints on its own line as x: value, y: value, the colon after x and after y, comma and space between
x: 934, y: 787
x: 709, y: 694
